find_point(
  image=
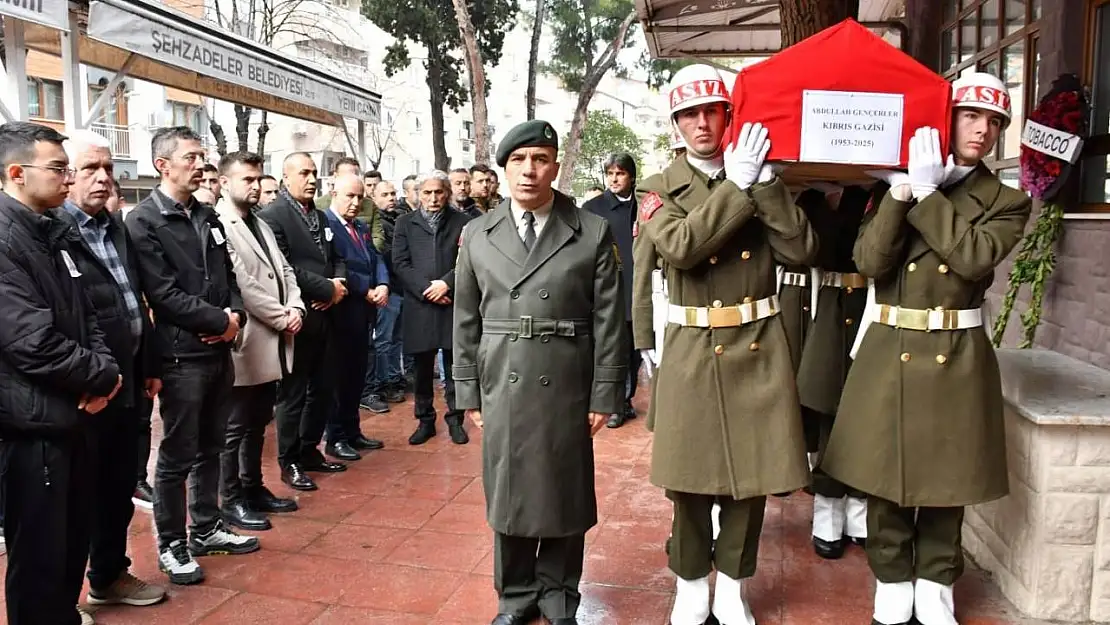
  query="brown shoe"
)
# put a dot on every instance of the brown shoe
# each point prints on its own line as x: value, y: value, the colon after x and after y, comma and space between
x: 127, y: 590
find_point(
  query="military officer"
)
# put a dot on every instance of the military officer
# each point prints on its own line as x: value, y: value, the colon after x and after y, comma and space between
x: 537, y: 286
x: 919, y: 427
x: 835, y: 213
x: 725, y: 410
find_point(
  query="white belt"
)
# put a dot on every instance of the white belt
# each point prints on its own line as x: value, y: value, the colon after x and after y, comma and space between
x: 800, y: 280
x: 795, y: 279
x: 926, y: 320
x: 723, y: 316
x: 659, y: 302
x: 839, y: 280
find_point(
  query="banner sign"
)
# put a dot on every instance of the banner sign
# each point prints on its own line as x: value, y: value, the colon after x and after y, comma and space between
x: 52, y: 13
x: 215, y: 59
x: 851, y: 127
x: 1063, y: 145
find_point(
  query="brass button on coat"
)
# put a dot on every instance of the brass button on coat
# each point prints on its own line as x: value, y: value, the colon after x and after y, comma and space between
x: 911, y: 267
x: 941, y: 359
x: 905, y: 357
x: 754, y: 346
x: 849, y: 289
x: 747, y: 300
x: 943, y: 268
x: 543, y: 293
x: 545, y: 339
x: 720, y: 349
x: 513, y: 377
x: 745, y: 255
x: 717, y: 303
x: 712, y: 260
x: 848, y: 321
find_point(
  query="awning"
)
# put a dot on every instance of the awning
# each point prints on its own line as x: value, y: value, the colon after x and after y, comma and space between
x: 723, y: 28
x: 171, y: 48
x: 52, y: 13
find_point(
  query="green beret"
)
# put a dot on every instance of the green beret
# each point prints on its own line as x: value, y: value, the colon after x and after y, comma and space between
x: 534, y: 133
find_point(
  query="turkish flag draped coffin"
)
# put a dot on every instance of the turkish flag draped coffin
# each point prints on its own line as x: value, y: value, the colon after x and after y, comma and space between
x: 843, y: 97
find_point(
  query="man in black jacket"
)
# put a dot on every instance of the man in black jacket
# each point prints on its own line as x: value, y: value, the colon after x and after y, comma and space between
x: 305, y: 397
x: 108, y: 263
x: 617, y: 204
x: 55, y: 372
x: 187, y: 276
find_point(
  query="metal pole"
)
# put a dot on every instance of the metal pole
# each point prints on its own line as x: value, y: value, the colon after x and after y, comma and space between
x: 16, y: 51
x: 72, y: 102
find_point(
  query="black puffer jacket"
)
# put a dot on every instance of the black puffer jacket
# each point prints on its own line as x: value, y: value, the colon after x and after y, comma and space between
x: 51, y: 350
x: 186, y: 274
x: 138, y: 360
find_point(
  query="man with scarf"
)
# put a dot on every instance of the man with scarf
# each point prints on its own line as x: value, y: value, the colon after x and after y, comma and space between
x: 305, y: 398
x: 617, y: 205
x: 425, y: 247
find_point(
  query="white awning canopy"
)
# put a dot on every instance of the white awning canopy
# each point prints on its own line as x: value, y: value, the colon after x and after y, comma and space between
x: 724, y: 28
x: 153, y: 42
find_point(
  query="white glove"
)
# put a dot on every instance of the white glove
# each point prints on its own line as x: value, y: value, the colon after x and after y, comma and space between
x: 768, y: 172
x: 899, y: 182
x: 651, y: 361
x: 927, y: 166
x: 744, y: 159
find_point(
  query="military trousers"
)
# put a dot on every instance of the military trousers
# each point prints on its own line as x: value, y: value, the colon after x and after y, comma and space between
x: 904, y: 544
x: 823, y: 483
x: 693, y: 554
x: 543, y: 572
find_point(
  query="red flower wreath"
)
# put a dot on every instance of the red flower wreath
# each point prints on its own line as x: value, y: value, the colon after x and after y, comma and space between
x: 1065, y: 107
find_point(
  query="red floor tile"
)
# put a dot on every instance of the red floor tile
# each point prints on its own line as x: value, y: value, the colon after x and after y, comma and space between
x: 401, y: 538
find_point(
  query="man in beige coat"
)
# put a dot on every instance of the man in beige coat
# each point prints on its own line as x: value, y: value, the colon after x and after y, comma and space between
x: 264, y: 354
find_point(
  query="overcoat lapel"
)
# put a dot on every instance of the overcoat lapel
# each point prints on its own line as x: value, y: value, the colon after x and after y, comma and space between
x: 561, y: 227
x: 504, y: 237
x: 970, y: 197
x: 242, y: 232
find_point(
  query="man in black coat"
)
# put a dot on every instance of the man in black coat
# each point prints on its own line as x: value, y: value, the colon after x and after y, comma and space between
x: 189, y: 283
x: 618, y: 205
x: 425, y: 247
x: 108, y: 263
x: 55, y: 372
x: 305, y: 396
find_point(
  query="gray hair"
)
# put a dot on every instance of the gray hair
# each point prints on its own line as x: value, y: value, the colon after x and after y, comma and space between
x: 83, y: 139
x: 435, y: 174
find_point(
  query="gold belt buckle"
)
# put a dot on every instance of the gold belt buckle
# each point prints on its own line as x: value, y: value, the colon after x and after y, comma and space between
x: 853, y: 281
x: 913, y: 319
x: 691, y: 315
x: 728, y: 317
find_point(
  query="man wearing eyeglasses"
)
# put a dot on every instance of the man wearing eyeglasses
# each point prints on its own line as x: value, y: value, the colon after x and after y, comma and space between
x: 55, y: 373
x: 188, y: 280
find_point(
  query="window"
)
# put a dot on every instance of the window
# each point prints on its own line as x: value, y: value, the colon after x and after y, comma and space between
x: 999, y: 37
x: 468, y: 131
x: 188, y: 115
x: 1095, y: 172
x: 44, y: 99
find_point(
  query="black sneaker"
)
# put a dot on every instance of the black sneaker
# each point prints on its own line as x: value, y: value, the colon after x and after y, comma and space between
x: 221, y: 541
x: 143, y: 497
x: 374, y: 403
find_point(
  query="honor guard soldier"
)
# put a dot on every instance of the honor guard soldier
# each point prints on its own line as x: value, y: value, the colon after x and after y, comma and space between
x: 841, y: 293
x: 539, y: 358
x: 725, y: 410
x: 919, y: 427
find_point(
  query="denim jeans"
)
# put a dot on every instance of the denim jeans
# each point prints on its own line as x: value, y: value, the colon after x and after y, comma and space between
x: 386, y: 371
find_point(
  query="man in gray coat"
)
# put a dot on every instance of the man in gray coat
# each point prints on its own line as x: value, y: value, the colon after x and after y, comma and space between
x: 536, y: 285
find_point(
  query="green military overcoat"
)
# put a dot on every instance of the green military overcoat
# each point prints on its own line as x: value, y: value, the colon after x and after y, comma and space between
x: 796, y: 315
x: 825, y: 360
x: 920, y: 421
x: 725, y: 423
x: 536, y: 393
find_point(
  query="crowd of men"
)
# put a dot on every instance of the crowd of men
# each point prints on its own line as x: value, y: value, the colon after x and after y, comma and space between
x: 842, y: 322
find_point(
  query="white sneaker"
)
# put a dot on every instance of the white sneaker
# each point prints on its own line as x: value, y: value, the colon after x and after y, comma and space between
x: 893, y: 602
x: 828, y: 518
x: 729, y: 605
x: 691, y: 602
x: 176, y: 562
x: 933, y: 603
x: 86, y: 616
x: 855, y: 519
x: 221, y: 541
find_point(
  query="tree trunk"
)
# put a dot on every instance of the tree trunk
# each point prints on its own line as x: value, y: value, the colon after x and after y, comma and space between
x: 436, y: 100
x: 243, y: 127
x: 219, y: 135
x: 533, y: 58
x: 263, y: 130
x: 803, y: 18
x: 477, y: 70
x: 593, y: 78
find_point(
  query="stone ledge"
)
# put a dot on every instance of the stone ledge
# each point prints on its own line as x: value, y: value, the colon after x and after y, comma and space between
x: 1049, y: 388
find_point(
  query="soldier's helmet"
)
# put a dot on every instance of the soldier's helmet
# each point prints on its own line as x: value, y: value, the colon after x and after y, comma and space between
x: 982, y: 91
x: 677, y: 143
x: 694, y: 85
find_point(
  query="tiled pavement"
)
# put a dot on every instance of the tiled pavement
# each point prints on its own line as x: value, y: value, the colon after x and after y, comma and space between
x: 401, y: 539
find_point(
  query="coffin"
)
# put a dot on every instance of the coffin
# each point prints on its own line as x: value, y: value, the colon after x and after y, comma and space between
x: 839, y: 103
